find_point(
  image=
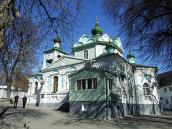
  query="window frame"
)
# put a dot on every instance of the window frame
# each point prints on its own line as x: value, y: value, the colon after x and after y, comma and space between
x: 94, y: 79
x: 81, y: 82
x: 146, y: 89
x: 110, y: 83
x: 165, y: 90
x: 167, y: 102
x: 91, y: 87
x: 55, y: 87
x: 161, y: 98
x: 85, y: 54
x: 80, y: 85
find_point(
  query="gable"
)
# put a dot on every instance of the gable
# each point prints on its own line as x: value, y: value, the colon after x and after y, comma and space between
x: 112, y: 62
x: 65, y: 61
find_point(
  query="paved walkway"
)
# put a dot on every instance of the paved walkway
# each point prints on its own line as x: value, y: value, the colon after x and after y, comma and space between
x: 44, y: 118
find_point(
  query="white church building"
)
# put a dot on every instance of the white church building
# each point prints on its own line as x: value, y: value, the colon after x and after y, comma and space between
x: 95, y: 66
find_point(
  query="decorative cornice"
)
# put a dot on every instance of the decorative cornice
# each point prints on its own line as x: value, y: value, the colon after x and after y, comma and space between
x: 111, y: 44
x: 55, y: 49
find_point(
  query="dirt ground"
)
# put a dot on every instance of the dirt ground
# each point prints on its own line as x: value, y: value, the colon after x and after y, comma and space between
x: 43, y: 118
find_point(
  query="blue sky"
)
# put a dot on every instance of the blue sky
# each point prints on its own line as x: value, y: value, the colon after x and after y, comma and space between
x: 93, y: 10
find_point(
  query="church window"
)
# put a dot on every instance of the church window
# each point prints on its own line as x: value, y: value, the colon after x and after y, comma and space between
x: 166, y: 101
x: 36, y: 87
x: 170, y: 88
x: 94, y: 83
x: 146, y: 89
x: 110, y: 83
x: 85, y: 54
x: 55, y: 84
x: 48, y: 62
x: 147, y: 77
x: 78, y: 84
x: 89, y: 82
x: 123, y: 76
x: 165, y: 90
x: 83, y: 84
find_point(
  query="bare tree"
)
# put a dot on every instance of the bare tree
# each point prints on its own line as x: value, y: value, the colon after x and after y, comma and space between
x: 20, y: 45
x: 8, y: 12
x: 24, y: 22
x: 20, y: 81
x: 57, y: 16
x: 147, y: 25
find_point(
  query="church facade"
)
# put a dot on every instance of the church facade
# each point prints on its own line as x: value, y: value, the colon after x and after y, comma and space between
x: 96, y: 81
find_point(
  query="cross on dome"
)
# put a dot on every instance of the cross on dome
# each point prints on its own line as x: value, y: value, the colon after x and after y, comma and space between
x: 97, y: 30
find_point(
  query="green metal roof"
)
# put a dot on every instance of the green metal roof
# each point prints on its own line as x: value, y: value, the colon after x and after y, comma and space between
x: 111, y: 54
x: 64, y: 61
x: 111, y: 44
x: 91, y: 69
x: 97, y: 30
x: 144, y: 66
x: 36, y: 74
x: 56, y: 49
x: 57, y: 39
x: 130, y: 55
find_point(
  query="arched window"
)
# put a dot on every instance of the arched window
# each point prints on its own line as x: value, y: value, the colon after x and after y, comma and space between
x: 36, y: 87
x: 85, y: 54
x: 166, y: 101
x: 55, y: 85
x: 146, y: 89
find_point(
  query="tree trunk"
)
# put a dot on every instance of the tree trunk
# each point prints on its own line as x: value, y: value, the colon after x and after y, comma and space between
x: 8, y: 83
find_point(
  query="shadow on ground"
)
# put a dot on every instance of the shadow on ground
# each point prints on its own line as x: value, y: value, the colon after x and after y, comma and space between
x: 118, y: 123
x: 16, y: 119
x: 11, y: 118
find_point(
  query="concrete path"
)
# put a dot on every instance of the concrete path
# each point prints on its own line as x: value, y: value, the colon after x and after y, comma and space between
x: 43, y: 118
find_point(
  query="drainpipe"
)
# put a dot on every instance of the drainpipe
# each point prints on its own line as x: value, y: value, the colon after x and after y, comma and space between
x: 106, y: 99
x: 135, y: 92
x: 95, y: 50
x: 30, y: 93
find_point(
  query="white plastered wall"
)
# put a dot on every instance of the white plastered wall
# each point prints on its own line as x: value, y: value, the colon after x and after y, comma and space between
x: 80, y: 54
x: 140, y: 80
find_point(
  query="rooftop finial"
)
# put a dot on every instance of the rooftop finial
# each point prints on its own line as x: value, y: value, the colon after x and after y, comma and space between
x: 97, y: 21
x: 97, y: 30
x: 129, y: 51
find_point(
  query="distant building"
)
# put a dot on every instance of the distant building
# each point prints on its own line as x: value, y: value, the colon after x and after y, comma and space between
x: 165, y: 84
x: 97, y: 81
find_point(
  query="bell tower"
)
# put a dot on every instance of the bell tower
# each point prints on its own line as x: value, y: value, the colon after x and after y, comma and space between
x: 57, y: 42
